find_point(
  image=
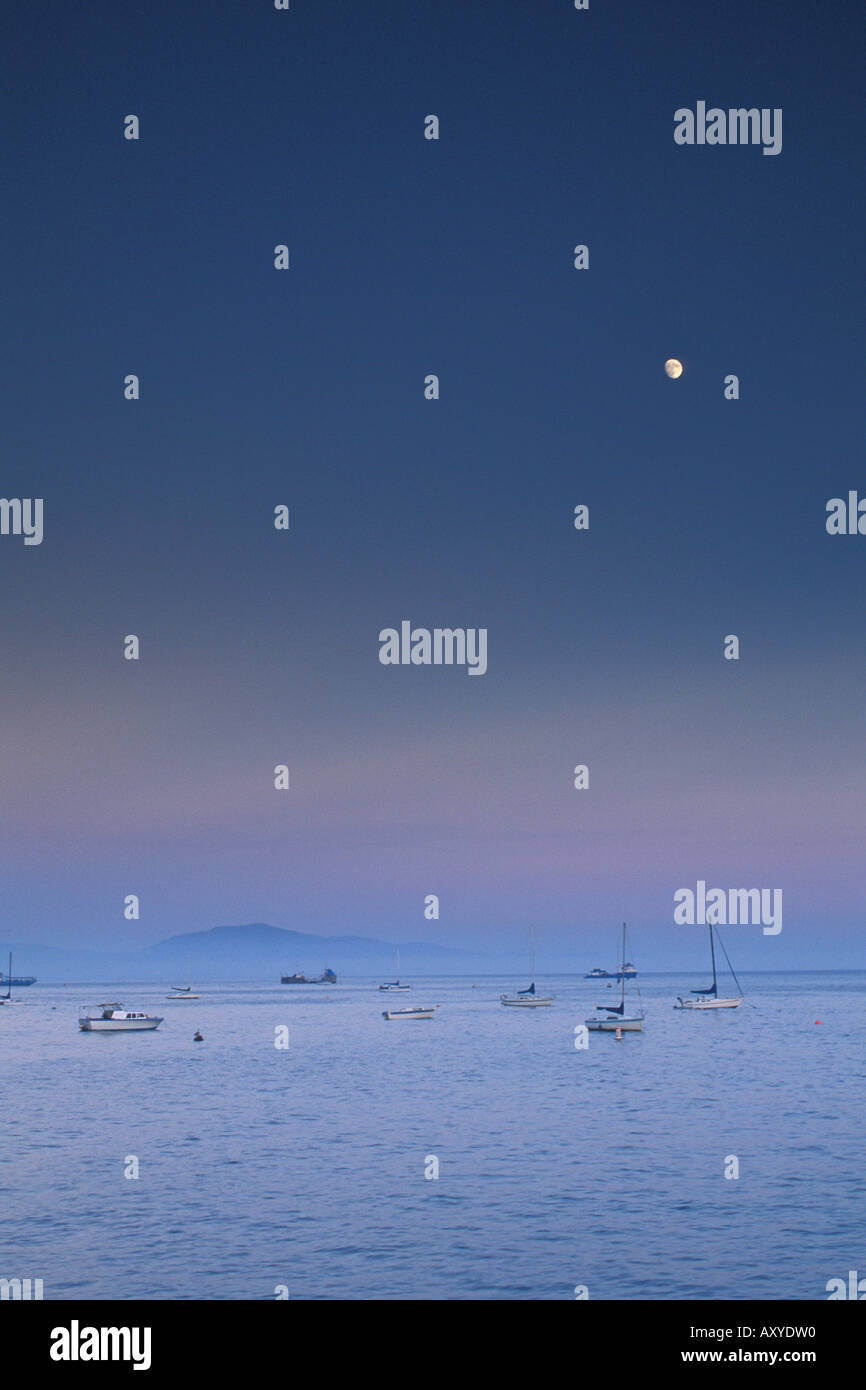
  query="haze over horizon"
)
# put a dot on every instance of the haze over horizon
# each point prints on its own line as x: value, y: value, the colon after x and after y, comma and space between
x: 305, y: 388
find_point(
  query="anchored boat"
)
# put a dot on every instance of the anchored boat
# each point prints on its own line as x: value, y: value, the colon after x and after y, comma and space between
x: 7, y: 997
x: 527, y: 998
x: 327, y: 977
x: 709, y: 998
x: 628, y: 971
x: 183, y: 991
x: 393, y: 1014
x: 114, y: 1019
x: 617, y: 1021
x: 394, y: 986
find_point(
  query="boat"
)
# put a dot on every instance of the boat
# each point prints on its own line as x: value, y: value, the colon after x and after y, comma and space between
x: 416, y: 1012
x: 19, y: 981
x: 394, y: 986
x: 709, y: 998
x: 114, y: 1019
x: 617, y: 1020
x: 626, y: 971
x: 183, y: 991
x: 327, y: 977
x: 11, y: 980
x: 527, y: 998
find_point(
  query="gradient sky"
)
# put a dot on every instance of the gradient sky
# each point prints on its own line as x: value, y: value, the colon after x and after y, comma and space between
x: 306, y: 388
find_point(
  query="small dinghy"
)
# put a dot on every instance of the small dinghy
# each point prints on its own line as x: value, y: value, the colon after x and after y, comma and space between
x: 114, y: 1019
x: 393, y: 1014
x: 527, y: 998
x: 617, y: 1021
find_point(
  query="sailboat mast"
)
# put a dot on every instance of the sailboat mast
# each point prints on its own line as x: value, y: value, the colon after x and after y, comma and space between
x: 713, y: 954
x: 532, y: 936
x: 622, y: 971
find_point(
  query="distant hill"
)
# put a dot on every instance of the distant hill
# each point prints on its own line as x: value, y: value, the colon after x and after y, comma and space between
x: 254, y: 951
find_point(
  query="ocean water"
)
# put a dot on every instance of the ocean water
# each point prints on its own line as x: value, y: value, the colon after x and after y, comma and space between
x: 558, y: 1167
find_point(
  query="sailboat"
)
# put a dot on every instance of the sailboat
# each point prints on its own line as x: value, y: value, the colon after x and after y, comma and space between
x: 7, y: 997
x: 183, y: 991
x: 617, y: 1021
x: 394, y: 986
x: 709, y: 998
x: 527, y: 998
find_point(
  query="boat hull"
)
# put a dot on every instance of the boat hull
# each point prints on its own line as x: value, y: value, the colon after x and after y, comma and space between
x: 612, y: 1025
x: 526, y: 1003
x: 702, y: 1005
x: 395, y: 1015
x: 118, y: 1025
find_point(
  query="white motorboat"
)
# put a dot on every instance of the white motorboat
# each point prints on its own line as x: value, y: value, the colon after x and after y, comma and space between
x: 114, y: 1019
x: 527, y: 998
x: 617, y: 1021
x: 709, y: 998
x: 393, y: 1014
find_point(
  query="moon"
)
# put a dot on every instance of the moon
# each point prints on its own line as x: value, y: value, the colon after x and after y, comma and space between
x: 673, y: 368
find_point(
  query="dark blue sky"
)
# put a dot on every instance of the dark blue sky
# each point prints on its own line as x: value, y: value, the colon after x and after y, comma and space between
x: 408, y: 257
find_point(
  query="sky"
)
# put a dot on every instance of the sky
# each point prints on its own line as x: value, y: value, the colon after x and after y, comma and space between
x: 305, y: 388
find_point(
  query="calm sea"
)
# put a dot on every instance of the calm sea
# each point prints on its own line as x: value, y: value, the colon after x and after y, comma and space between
x: 557, y: 1167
